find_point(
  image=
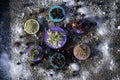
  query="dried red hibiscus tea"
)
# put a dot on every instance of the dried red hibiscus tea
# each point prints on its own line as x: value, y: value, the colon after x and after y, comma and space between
x: 79, y: 26
x: 57, y: 13
x: 57, y: 60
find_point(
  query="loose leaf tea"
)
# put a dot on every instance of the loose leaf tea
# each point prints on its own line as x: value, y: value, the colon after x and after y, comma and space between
x: 31, y: 26
x: 58, y: 60
x: 79, y: 25
x: 34, y: 54
x: 55, y: 38
x: 82, y: 51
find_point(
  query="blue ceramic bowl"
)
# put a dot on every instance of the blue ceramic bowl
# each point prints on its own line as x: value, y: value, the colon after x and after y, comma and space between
x: 82, y: 30
x: 40, y: 55
x: 56, y: 19
x: 56, y: 57
x: 58, y: 29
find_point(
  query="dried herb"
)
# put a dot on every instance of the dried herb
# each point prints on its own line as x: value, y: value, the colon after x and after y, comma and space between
x: 79, y: 25
x: 31, y: 26
x: 82, y: 51
x: 55, y: 38
x: 34, y: 53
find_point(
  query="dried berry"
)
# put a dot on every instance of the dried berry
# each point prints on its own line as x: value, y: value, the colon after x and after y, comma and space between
x: 17, y: 44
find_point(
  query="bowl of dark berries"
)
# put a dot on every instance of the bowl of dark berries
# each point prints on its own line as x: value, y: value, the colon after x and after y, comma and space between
x: 56, y: 14
x: 82, y: 51
x: 79, y: 26
x: 55, y: 37
x: 35, y: 53
x: 57, y: 60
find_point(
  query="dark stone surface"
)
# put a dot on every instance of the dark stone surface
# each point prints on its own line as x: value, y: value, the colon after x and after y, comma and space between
x: 5, y: 39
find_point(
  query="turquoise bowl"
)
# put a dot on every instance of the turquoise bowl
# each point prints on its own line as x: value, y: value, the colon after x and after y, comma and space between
x: 56, y: 58
x: 56, y: 19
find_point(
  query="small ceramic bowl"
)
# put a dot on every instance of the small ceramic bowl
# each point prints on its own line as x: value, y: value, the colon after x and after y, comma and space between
x: 50, y: 41
x: 82, y: 24
x: 82, y: 51
x: 56, y: 14
x: 57, y: 60
x: 31, y: 26
x: 35, y: 53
